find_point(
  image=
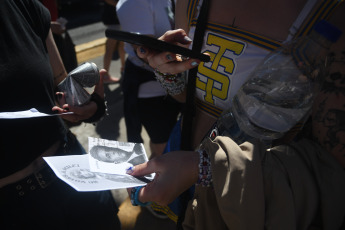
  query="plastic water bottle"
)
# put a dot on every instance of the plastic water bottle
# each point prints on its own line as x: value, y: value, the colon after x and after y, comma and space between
x: 280, y: 91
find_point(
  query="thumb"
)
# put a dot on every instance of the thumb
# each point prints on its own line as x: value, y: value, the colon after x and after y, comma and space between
x: 61, y: 98
x: 141, y: 169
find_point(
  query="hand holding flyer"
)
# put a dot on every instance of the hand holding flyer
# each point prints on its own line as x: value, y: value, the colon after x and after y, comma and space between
x: 104, y: 168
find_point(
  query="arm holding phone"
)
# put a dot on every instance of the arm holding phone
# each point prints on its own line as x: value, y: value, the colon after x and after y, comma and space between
x: 167, y: 63
x: 168, y: 56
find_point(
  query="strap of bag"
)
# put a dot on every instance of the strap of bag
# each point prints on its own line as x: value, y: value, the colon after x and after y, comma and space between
x: 300, y: 19
x: 190, y: 105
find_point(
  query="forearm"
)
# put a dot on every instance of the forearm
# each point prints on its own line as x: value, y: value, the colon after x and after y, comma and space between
x: 58, y: 68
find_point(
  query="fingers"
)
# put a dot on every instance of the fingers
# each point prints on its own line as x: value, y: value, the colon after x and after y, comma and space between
x: 80, y: 112
x: 60, y: 97
x: 57, y: 109
x: 177, y: 67
x: 167, y: 62
x: 178, y: 36
x: 159, y: 191
x: 175, y: 172
x: 141, y: 169
x: 150, y: 192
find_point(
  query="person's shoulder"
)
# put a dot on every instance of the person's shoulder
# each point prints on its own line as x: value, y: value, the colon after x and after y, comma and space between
x: 32, y: 6
x: 35, y: 13
x: 36, y: 10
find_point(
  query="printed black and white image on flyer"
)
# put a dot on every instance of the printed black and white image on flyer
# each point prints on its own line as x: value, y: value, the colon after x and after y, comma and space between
x: 115, y: 157
x: 75, y: 171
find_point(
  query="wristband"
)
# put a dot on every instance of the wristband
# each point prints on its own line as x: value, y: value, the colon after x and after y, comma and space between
x: 205, y: 174
x: 101, y: 109
x: 135, y: 197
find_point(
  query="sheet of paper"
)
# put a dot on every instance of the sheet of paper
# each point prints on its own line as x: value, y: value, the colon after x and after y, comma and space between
x: 75, y: 171
x: 26, y: 114
x: 115, y: 157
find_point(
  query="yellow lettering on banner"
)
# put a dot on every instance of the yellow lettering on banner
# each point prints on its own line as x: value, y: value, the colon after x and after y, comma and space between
x: 214, y: 75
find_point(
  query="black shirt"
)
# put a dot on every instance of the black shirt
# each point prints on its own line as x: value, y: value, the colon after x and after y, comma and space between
x: 26, y: 81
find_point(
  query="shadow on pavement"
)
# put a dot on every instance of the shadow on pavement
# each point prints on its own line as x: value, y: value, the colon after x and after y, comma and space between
x: 109, y: 127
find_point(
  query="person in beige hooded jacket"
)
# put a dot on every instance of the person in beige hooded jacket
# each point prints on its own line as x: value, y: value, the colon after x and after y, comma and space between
x: 300, y: 185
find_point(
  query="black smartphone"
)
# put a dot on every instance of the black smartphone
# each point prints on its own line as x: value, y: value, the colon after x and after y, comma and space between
x: 153, y: 43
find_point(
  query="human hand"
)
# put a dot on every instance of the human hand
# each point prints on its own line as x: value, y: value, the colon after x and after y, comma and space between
x: 57, y: 28
x: 80, y: 112
x: 167, y: 62
x: 175, y: 172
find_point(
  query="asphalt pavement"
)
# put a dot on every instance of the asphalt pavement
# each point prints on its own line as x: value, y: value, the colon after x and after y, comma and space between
x: 112, y: 127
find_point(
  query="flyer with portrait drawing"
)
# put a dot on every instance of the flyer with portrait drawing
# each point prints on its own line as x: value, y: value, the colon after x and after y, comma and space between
x: 109, y: 156
x: 103, y: 168
x: 75, y: 171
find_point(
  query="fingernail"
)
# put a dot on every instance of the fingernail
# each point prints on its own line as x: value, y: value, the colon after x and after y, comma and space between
x: 130, y: 170
x: 169, y: 57
x: 142, y: 50
x: 194, y: 63
x: 187, y: 39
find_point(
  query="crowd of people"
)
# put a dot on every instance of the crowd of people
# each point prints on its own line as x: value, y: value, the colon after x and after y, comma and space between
x: 296, y: 183
x: 30, y: 69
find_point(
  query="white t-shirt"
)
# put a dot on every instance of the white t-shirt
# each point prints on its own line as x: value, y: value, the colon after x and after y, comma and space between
x: 149, y: 17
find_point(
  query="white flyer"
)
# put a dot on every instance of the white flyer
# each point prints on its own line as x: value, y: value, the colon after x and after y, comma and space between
x: 115, y: 157
x: 31, y: 113
x: 75, y: 171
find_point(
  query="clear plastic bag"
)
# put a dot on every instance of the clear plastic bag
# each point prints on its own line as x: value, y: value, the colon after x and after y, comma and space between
x: 278, y: 96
